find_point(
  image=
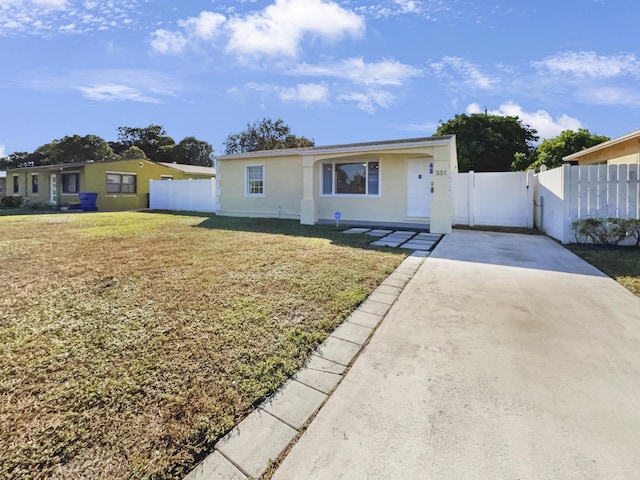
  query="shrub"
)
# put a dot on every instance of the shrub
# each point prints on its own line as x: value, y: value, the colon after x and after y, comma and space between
x: 602, y: 231
x: 633, y: 229
x: 11, y: 202
x: 35, y: 204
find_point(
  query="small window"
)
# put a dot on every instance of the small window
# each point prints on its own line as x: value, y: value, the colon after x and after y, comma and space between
x: 16, y: 184
x: 355, y: 178
x: 34, y: 183
x: 70, y: 182
x: 121, y: 183
x: 255, y: 181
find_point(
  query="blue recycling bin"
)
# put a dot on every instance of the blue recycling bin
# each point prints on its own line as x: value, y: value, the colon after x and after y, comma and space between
x: 88, y: 201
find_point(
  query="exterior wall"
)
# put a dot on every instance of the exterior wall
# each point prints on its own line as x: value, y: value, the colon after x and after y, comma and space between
x: 631, y: 159
x: 390, y: 206
x: 282, y: 188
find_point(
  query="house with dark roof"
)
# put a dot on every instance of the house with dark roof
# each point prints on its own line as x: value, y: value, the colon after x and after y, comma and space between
x: 388, y: 183
x: 120, y: 184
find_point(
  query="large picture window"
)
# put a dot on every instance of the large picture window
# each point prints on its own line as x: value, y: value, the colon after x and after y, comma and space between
x: 121, y: 183
x: 254, y: 180
x: 356, y: 178
x: 70, y: 182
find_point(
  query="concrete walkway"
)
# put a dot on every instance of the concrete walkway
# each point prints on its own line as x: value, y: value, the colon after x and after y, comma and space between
x: 504, y: 357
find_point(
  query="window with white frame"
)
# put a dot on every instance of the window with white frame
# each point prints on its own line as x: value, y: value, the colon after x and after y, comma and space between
x: 353, y: 178
x: 254, y: 183
x: 16, y: 184
x: 121, y: 183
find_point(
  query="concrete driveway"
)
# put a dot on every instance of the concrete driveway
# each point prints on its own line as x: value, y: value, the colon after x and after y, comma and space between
x: 505, y: 357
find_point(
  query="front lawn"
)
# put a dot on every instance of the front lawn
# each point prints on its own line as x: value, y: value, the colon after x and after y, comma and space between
x: 130, y: 342
x: 620, y: 263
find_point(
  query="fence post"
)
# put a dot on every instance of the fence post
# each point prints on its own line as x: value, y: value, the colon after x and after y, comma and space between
x: 470, y: 186
x: 532, y: 179
x: 566, y: 203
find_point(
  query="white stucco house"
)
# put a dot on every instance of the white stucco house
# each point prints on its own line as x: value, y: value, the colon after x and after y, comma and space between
x: 387, y: 183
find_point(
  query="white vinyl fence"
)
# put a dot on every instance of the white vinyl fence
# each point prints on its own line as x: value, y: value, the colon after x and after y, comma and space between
x: 186, y: 195
x: 569, y: 193
x: 503, y: 199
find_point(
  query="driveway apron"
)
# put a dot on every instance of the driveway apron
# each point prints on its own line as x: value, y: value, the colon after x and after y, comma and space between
x: 506, y: 356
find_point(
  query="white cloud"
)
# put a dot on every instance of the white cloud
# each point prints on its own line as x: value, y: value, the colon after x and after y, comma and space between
x: 459, y: 70
x: 2, y: 148
x: 306, y: 93
x: 609, y: 95
x: 590, y: 64
x: 369, y: 101
x: 408, y: 6
x: 280, y: 28
x: 386, y: 72
x: 205, y: 26
x: 540, y: 120
x: 166, y: 42
x: 110, y: 92
x: 47, y: 17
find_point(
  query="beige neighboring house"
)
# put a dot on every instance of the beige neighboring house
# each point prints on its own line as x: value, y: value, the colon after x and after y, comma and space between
x: 388, y: 183
x: 3, y: 183
x: 624, y: 150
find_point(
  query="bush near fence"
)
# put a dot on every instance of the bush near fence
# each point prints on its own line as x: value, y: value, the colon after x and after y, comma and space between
x: 606, y: 231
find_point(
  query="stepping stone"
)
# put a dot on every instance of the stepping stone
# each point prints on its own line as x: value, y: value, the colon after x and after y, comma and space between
x: 352, y: 332
x: 357, y: 230
x: 376, y: 308
x: 323, y: 365
x: 366, y: 319
x: 420, y: 253
x: 383, y: 297
x: 338, y: 350
x: 215, y: 467
x: 294, y: 403
x: 256, y: 441
x: 384, y: 243
x: 323, y: 381
x: 379, y: 233
x: 416, y: 246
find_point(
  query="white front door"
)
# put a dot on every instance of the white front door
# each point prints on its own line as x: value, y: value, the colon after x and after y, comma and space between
x: 53, y: 188
x: 419, y: 187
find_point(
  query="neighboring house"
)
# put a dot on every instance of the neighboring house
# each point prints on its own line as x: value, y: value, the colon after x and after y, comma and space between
x: 3, y: 183
x: 120, y: 184
x: 624, y: 150
x: 388, y: 183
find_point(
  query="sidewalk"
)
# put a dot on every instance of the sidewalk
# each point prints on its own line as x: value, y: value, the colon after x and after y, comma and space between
x: 505, y: 356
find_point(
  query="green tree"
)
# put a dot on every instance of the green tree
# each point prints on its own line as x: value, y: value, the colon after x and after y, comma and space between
x: 152, y: 140
x: 132, y: 153
x: 72, y: 149
x: 550, y: 152
x: 265, y: 135
x: 193, y: 152
x: 488, y: 143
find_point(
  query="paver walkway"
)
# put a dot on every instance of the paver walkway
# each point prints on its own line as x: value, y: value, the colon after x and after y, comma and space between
x: 410, y: 239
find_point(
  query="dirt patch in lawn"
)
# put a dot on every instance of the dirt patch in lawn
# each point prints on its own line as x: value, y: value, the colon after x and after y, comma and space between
x: 130, y: 342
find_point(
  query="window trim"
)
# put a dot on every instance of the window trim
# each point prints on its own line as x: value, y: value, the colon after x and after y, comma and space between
x: 246, y: 180
x: 62, y: 184
x: 333, y: 193
x: 120, y: 184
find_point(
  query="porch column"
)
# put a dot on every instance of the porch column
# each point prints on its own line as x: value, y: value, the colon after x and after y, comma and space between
x: 441, y: 201
x: 307, y: 204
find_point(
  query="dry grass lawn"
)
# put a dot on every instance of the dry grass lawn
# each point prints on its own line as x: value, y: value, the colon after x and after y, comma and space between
x: 130, y: 342
x: 620, y: 263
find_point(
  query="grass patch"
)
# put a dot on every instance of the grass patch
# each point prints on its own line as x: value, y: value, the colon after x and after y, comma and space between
x: 130, y: 342
x: 620, y: 263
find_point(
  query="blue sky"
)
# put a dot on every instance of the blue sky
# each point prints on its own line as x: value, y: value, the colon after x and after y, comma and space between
x: 335, y: 71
